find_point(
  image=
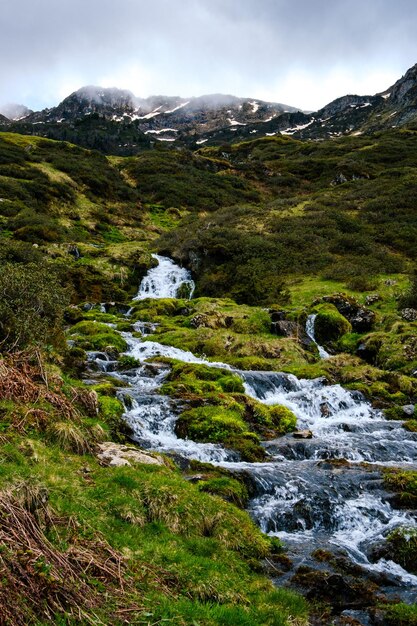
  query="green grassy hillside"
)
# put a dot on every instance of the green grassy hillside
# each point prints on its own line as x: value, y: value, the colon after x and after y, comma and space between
x: 273, y: 230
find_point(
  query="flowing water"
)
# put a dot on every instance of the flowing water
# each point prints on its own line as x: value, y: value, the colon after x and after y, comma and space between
x: 310, y: 330
x: 165, y: 280
x: 313, y: 493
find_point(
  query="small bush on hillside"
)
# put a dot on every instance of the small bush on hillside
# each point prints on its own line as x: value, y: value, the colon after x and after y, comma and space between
x: 32, y: 303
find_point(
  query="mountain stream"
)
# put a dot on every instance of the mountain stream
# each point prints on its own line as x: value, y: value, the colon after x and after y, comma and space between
x: 325, y: 492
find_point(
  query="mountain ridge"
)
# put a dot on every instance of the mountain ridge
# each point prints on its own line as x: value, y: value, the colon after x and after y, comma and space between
x: 118, y: 122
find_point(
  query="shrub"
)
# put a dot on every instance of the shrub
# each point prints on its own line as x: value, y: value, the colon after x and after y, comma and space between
x: 32, y: 303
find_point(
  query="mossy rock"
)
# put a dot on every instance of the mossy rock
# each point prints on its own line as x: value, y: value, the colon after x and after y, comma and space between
x: 402, y: 546
x: 218, y: 424
x: 330, y: 325
x: 284, y: 420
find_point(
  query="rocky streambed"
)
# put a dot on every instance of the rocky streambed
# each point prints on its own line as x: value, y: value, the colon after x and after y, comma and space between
x: 323, y: 496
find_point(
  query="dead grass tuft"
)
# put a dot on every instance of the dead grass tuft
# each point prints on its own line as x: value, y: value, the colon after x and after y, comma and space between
x: 40, y: 582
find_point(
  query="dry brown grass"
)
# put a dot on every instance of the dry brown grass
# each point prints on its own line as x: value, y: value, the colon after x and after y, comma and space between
x: 39, y: 581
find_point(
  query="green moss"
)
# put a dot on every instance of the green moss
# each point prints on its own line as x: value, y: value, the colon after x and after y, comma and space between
x: 92, y: 335
x: 284, y: 420
x: 330, y: 325
x: 404, y: 482
x: 218, y: 424
x: 227, y: 488
x: 402, y: 545
x: 401, y: 615
x: 189, y: 378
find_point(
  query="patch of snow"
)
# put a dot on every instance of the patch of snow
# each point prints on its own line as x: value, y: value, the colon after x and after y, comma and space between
x: 235, y: 123
x: 163, y: 130
x: 270, y: 134
x: 357, y: 133
x: 252, y: 132
x: 200, y: 141
x: 291, y: 131
x: 392, y: 114
x: 180, y: 106
x: 148, y: 116
x: 364, y: 105
x: 270, y: 118
x: 387, y: 95
x: 255, y: 106
x: 164, y: 139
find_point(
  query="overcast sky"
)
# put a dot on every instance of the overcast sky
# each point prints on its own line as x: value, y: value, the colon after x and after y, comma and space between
x: 300, y: 52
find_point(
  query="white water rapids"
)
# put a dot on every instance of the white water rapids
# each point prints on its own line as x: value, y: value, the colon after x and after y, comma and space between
x: 301, y: 496
x: 165, y: 280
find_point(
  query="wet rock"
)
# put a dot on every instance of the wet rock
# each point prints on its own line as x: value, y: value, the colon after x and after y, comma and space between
x: 409, y: 315
x: 338, y: 590
x: 88, y: 306
x: 356, y: 618
x: 118, y: 455
x: 408, y: 410
x: 325, y: 409
x: 153, y: 369
x: 303, y: 434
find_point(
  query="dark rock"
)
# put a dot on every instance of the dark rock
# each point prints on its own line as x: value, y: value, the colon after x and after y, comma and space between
x: 277, y: 316
x: 74, y: 251
x: 409, y: 315
x: 339, y: 179
x: 390, y: 282
x: 361, y: 319
x: 338, y: 590
x: 88, y: 306
x: 286, y: 328
x: 325, y: 409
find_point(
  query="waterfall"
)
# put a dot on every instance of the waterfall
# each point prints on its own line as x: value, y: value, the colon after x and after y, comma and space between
x: 310, y: 324
x: 166, y: 280
x: 324, y: 492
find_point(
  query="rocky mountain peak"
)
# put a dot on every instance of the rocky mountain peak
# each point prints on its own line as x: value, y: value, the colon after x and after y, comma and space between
x: 15, y: 112
x: 404, y: 91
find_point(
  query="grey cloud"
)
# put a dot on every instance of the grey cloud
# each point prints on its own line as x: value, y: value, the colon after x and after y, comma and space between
x: 190, y: 47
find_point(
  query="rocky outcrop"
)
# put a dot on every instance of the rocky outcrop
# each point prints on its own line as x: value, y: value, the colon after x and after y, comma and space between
x: 361, y: 318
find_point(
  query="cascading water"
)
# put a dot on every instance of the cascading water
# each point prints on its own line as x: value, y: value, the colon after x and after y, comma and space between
x: 165, y: 280
x: 314, y: 492
x: 310, y: 330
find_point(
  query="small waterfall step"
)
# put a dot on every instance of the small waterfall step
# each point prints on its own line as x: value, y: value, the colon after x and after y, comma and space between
x: 166, y: 280
x: 310, y: 330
